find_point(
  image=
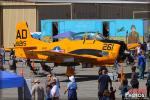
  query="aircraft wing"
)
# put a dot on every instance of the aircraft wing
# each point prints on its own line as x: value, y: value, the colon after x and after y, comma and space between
x: 52, y: 53
x: 68, y: 57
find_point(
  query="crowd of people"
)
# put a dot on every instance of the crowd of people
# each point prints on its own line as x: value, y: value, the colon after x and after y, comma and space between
x: 106, y: 91
x: 51, y: 91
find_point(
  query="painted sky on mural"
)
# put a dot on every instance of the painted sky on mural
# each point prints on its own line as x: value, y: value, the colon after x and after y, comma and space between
x: 119, y: 28
x: 122, y: 27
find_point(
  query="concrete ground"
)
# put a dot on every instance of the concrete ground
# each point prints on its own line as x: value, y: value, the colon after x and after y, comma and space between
x: 86, y: 79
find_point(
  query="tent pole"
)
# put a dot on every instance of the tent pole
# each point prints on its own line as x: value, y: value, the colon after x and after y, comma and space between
x: 20, y: 93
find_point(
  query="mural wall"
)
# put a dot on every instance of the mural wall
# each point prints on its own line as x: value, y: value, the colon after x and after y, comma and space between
x: 80, y: 26
x: 129, y: 30
x: 46, y: 30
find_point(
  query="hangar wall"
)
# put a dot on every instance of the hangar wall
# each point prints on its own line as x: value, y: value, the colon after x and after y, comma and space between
x: 53, y: 12
x: 33, y: 13
x: 14, y: 14
x: 108, y: 11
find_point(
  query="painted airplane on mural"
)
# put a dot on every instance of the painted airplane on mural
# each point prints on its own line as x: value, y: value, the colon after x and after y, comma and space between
x: 90, y: 49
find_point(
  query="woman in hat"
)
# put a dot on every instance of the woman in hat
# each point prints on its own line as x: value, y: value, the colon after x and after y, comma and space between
x: 37, y: 91
x: 71, y: 88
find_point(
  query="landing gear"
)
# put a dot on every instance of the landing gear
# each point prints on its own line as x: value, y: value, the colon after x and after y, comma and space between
x: 46, y: 67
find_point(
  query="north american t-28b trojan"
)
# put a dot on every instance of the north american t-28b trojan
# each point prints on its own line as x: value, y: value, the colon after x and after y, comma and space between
x: 90, y: 49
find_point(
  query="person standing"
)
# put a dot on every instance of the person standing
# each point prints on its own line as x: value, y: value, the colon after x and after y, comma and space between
x: 71, y: 88
x: 103, y: 81
x: 148, y: 85
x: 139, y: 50
x: 124, y: 87
x: 37, y: 91
x: 54, y: 91
x: 48, y: 87
x: 1, y: 62
x: 11, y: 53
x: 112, y: 93
x: 31, y: 67
x: 100, y: 70
x: 2, y: 52
x: 141, y: 65
x: 12, y: 63
x: 134, y: 78
x: 148, y: 48
x: 144, y: 47
x: 57, y: 81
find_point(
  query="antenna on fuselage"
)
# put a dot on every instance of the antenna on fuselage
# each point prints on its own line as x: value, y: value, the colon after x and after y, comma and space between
x: 84, y: 38
x: 95, y: 37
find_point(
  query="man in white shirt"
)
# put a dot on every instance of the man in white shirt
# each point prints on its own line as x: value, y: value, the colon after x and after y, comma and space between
x: 55, y: 90
x: 138, y: 50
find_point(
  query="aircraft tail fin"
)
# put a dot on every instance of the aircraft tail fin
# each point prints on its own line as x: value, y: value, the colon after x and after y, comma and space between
x: 23, y: 36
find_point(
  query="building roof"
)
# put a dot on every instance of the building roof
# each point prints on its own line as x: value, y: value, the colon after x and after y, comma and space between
x: 83, y: 1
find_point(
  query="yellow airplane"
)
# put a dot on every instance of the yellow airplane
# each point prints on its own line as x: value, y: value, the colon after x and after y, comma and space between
x: 67, y: 51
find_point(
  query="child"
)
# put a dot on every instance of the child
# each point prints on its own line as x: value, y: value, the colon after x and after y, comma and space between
x: 112, y: 93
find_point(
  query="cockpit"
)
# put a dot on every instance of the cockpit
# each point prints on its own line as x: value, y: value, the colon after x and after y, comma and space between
x: 87, y: 36
x: 81, y: 36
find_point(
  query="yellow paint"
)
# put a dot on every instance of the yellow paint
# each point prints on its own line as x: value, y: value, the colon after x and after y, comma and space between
x: 26, y: 47
x: 133, y: 45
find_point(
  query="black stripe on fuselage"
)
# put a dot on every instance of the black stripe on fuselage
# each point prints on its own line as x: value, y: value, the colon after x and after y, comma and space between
x: 93, y: 52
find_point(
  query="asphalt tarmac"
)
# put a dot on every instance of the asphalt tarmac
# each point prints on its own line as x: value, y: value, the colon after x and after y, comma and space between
x: 87, y: 81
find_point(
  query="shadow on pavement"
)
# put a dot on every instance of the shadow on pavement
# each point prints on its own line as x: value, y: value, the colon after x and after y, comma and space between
x: 83, y: 78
